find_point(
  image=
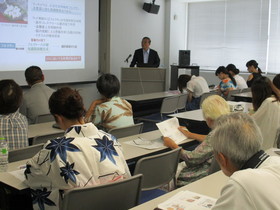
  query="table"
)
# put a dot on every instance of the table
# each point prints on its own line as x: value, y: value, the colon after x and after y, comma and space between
x: 131, y: 153
x: 42, y: 129
x: 150, y: 96
x: 247, y: 96
x: 210, y: 185
x: 195, y: 115
x: 149, y: 103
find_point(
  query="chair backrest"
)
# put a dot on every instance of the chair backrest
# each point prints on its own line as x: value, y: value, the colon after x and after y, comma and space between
x: 44, y: 118
x: 205, y: 95
x: 24, y: 153
x: 181, y: 105
x: 245, y: 90
x: 169, y: 105
x: 158, y: 170
x: 44, y: 138
x: 277, y: 139
x: 127, y: 131
x: 230, y: 93
x: 117, y: 195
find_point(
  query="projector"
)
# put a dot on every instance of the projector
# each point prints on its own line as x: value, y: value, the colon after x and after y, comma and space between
x: 151, y: 8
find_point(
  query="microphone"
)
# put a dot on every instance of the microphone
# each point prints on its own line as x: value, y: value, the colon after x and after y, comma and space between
x: 126, y: 60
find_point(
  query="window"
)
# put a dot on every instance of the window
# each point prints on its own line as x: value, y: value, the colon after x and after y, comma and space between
x: 235, y: 31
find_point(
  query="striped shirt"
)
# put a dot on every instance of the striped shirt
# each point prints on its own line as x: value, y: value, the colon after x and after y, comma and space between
x: 14, y: 128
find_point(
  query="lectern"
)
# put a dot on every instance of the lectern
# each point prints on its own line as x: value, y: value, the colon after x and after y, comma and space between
x: 136, y: 80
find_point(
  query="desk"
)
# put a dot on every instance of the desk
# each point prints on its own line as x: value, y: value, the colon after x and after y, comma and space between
x: 247, y: 96
x: 131, y: 153
x: 42, y: 129
x: 210, y: 185
x: 145, y: 104
x: 195, y: 115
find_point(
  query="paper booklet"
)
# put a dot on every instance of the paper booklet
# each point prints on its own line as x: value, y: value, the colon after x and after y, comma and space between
x: 187, y: 200
x: 169, y: 128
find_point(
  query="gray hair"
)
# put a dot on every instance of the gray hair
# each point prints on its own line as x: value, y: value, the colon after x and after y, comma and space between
x: 237, y: 136
x: 214, y: 106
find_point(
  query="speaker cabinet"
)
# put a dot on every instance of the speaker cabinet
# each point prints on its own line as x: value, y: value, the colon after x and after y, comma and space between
x: 184, y: 57
x: 151, y: 8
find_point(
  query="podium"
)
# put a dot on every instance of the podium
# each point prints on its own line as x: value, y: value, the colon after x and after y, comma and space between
x: 135, y: 81
x: 174, y: 74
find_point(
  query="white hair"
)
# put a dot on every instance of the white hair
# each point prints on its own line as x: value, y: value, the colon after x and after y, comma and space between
x: 237, y: 136
x: 214, y: 106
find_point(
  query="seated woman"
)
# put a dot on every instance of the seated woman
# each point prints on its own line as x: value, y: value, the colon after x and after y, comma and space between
x: 227, y: 83
x: 84, y: 156
x: 266, y: 104
x: 199, y: 160
x: 240, y: 81
x: 253, y: 68
x: 13, y: 125
x: 195, y: 87
x: 110, y: 111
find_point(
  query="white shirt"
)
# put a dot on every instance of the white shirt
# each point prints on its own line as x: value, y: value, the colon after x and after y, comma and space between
x: 240, y: 81
x: 146, y: 55
x: 257, y: 189
x: 267, y: 118
x: 198, y: 86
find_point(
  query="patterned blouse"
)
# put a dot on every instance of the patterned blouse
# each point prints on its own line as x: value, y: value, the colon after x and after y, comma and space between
x: 227, y: 84
x: 84, y: 156
x: 197, y: 162
x: 14, y: 128
x: 115, y: 113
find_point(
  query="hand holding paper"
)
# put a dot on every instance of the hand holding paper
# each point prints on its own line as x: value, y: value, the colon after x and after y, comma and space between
x: 169, y: 128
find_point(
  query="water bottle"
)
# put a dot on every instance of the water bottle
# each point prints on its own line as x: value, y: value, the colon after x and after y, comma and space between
x: 3, y: 154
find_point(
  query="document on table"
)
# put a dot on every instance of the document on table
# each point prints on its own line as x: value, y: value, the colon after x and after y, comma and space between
x: 185, y: 200
x: 169, y: 128
x: 146, y: 144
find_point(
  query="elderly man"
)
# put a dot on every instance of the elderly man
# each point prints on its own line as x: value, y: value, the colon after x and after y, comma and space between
x: 145, y: 57
x: 254, y: 175
x: 35, y: 100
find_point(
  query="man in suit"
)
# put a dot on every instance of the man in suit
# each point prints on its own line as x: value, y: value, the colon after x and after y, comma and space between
x: 35, y: 100
x: 145, y: 57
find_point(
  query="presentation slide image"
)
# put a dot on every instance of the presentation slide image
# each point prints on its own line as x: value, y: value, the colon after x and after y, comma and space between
x: 47, y: 33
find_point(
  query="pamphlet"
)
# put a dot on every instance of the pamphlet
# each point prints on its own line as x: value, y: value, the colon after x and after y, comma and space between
x: 186, y: 200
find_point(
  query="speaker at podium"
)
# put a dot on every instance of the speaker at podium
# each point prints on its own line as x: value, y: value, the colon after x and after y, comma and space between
x: 184, y: 57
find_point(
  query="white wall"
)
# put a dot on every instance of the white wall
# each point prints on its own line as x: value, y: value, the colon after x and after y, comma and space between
x: 129, y: 24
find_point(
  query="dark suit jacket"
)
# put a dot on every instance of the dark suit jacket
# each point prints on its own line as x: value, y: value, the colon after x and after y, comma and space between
x: 153, y: 60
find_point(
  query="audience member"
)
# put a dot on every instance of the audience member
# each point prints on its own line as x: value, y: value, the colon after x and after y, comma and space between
x: 253, y: 68
x: 240, y: 81
x: 199, y: 160
x: 227, y: 83
x: 110, y: 111
x: 254, y: 175
x: 265, y: 98
x: 85, y: 156
x: 13, y: 125
x: 276, y: 81
x: 35, y: 100
x: 145, y: 57
x: 195, y: 87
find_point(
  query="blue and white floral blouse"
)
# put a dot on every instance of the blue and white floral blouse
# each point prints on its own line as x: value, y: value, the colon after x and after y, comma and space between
x: 84, y: 156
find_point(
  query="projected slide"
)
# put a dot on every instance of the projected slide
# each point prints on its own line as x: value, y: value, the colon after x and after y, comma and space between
x: 47, y: 33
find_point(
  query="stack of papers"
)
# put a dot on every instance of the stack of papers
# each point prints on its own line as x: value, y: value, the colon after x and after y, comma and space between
x: 186, y: 200
x: 169, y: 128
